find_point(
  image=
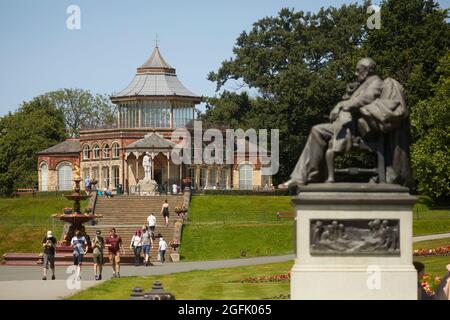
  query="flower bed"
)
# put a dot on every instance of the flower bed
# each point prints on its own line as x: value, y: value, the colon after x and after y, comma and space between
x: 441, y: 251
x: 261, y: 279
x: 430, y: 283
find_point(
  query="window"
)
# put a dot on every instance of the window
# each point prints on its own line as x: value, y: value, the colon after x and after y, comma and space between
x: 212, y: 177
x: 115, y: 176
x: 95, y: 174
x: 86, y: 153
x: 44, y: 177
x: 191, y: 172
x: 115, y: 151
x: 85, y: 173
x: 246, y: 177
x: 202, y: 177
x: 223, y: 178
x: 105, y: 151
x: 96, y: 151
x: 105, y: 177
x: 65, y: 177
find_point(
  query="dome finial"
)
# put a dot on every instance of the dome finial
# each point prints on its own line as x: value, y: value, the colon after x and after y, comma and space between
x: 156, y: 41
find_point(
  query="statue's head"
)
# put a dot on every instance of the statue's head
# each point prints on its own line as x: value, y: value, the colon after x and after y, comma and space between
x: 364, y: 68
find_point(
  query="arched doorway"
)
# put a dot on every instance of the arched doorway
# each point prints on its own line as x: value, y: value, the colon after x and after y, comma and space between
x: 64, y: 177
x: 44, y: 177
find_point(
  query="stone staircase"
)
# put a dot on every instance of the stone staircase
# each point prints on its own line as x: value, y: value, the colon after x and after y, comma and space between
x: 128, y: 213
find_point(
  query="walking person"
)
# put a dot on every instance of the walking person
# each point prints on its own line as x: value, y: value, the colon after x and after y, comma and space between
x: 136, y: 245
x: 49, y: 243
x: 147, y: 244
x: 98, y: 244
x: 87, y: 185
x: 114, y: 245
x: 151, y: 223
x: 165, y: 212
x: 80, y: 247
x: 162, y: 249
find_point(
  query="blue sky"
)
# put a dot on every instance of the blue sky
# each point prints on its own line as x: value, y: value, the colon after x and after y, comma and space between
x: 39, y: 53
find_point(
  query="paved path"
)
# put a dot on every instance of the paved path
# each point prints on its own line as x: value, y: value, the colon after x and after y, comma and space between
x: 17, y: 282
x: 21, y: 282
x: 431, y: 237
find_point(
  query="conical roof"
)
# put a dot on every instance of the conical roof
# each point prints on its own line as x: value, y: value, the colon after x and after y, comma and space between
x: 155, y: 78
x: 155, y: 63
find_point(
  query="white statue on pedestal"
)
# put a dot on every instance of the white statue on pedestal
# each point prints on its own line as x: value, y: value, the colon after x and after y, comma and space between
x: 147, y: 164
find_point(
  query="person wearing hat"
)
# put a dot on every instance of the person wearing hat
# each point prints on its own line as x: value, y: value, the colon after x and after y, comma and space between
x: 98, y: 244
x: 49, y: 243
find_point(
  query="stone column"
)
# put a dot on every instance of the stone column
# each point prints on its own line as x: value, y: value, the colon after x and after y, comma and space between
x: 153, y: 166
x: 168, y: 169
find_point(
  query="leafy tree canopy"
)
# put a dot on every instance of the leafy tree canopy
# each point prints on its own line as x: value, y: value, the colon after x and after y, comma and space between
x: 430, y: 121
x: 299, y: 64
x: 35, y: 126
x: 83, y: 109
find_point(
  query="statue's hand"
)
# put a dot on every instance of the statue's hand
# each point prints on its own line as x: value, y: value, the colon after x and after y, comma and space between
x: 335, y: 111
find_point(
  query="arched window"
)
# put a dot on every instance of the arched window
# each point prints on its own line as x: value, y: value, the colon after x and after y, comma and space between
x: 246, y: 177
x: 86, y: 153
x: 64, y: 177
x: 115, y: 150
x: 96, y: 152
x: 44, y: 177
x: 105, y: 151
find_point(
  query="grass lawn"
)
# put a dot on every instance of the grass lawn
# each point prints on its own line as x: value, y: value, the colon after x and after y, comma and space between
x: 229, y: 241
x: 214, y: 284
x: 434, y: 265
x: 25, y: 220
x: 221, y: 226
x: 226, y: 283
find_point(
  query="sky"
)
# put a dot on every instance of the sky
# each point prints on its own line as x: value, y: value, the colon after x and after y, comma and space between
x: 39, y: 53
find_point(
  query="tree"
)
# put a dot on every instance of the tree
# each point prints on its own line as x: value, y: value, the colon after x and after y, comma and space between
x: 299, y: 64
x: 430, y: 120
x: 83, y: 109
x: 413, y: 36
x: 231, y: 109
x: 35, y: 126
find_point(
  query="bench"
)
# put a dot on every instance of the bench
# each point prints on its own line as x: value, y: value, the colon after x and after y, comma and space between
x: 21, y: 191
x: 285, y: 214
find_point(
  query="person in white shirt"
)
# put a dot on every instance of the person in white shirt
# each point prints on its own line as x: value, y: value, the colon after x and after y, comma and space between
x: 174, y: 188
x: 136, y: 245
x: 162, y: 249
x: 151, y: 223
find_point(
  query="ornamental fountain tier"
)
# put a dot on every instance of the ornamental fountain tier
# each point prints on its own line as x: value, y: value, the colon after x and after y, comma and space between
x: 75, y: 219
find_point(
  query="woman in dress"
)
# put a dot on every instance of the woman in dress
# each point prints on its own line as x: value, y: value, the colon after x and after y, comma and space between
x: 165, y: 212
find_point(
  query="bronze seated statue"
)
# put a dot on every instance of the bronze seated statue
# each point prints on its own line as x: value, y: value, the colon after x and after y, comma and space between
x: 372, y: 116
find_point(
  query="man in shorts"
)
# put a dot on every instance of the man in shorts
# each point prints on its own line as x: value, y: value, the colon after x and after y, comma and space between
x: 49, y: 243
x: 98, y: 244
x: 114, y: 245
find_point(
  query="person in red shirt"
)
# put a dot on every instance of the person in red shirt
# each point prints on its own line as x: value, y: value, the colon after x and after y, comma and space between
x: 114, y: 245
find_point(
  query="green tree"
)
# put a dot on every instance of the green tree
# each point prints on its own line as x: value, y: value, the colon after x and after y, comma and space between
x: 35, y: 126
x: 413, y: 36
x: 230, y: 109
x: 430, y: 121
x: 299, y: 63
x: 83, y: 109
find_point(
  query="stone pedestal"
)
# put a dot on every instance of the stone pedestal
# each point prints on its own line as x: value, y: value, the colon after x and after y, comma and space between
x: 148, y: 187
x: 353, y: 241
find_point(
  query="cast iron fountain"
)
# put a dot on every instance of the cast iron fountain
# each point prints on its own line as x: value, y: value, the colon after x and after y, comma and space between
x: 76, y: 219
